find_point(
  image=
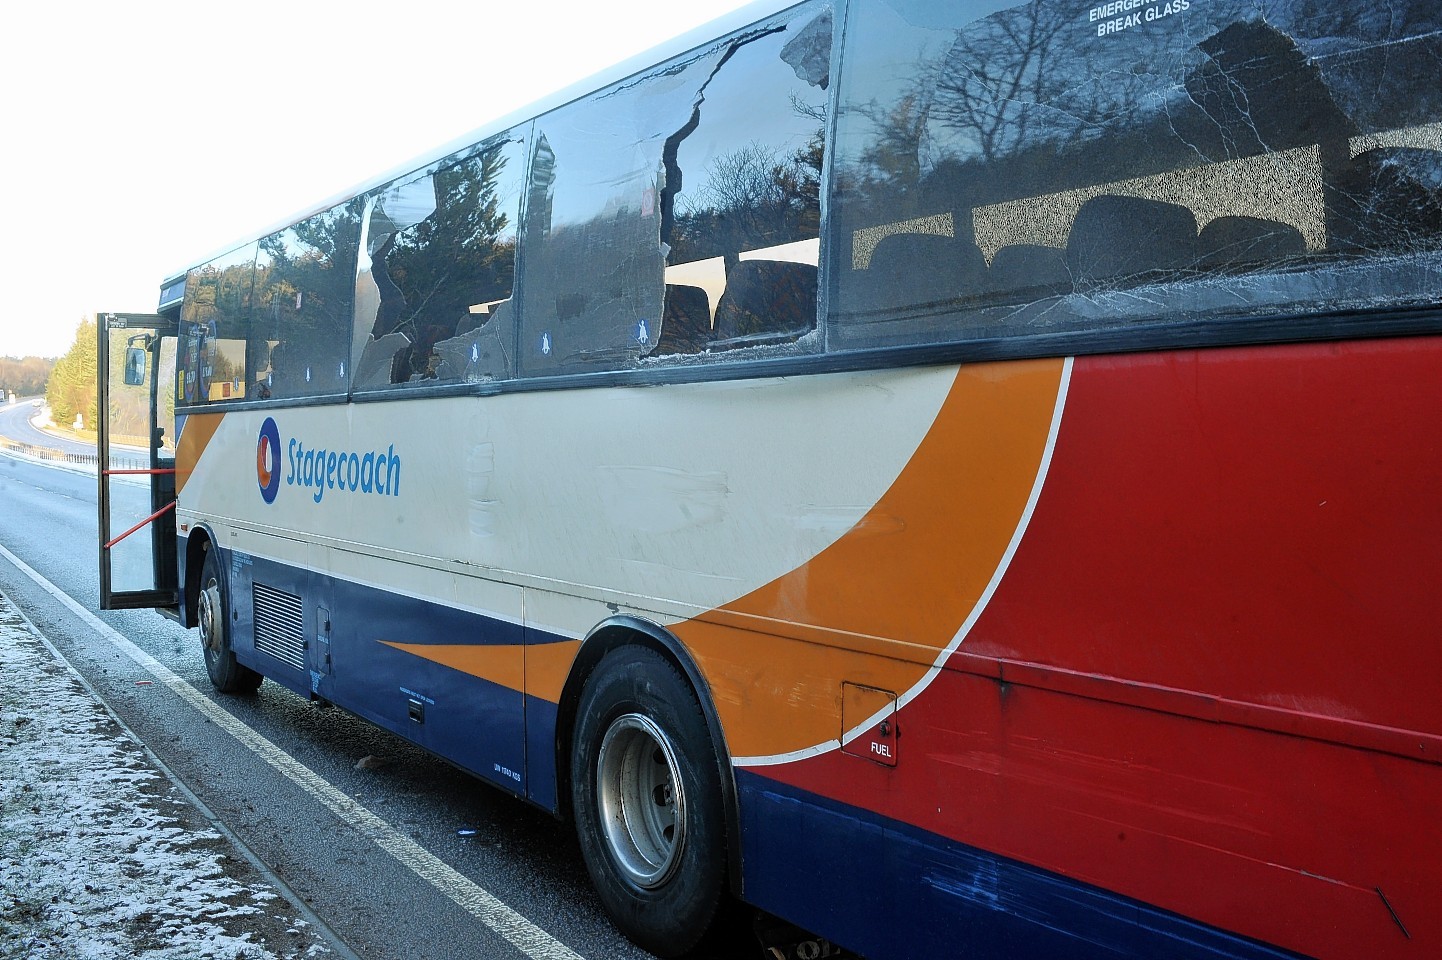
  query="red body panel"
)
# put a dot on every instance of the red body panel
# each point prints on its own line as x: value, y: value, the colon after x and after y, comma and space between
x: 1210, y: 678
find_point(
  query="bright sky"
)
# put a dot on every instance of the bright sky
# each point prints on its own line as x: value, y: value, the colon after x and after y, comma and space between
x: 141, y: 136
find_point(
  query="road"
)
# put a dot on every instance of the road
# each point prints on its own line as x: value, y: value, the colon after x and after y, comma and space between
x: 373, y: 849
x: 15, y: 425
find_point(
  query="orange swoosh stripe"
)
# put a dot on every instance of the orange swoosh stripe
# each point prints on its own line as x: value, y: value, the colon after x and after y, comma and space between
x: 539, y: 669
x: 199, y: 430
x: 909, y: 573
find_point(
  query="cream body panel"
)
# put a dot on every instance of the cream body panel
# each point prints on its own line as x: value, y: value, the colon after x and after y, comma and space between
x: 665, y: 500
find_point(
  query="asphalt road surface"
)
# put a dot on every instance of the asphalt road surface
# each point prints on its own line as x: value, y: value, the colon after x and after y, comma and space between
x: 15, y: 425
x: 374, y: 848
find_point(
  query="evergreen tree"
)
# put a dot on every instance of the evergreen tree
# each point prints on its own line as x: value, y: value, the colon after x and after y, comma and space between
x: 71, y: 388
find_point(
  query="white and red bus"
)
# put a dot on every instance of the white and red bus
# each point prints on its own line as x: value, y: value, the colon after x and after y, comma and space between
x: 964, y: 477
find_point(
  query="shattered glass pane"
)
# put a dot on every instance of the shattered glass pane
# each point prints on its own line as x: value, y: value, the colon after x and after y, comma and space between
x: 437, y: 265
x: 678, y: 213
x: 1008, y: 168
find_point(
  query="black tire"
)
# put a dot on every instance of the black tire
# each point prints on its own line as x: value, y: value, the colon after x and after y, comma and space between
x: 227, y: 674
x: 646, y: 792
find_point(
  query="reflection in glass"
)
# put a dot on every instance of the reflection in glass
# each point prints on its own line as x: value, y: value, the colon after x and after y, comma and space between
x: 678, y: 212
x: 131, y: 438
x: 1015, y: 166
x: 742, y: 206
x: 300, y: 334
x: 128, y: 397
x: 165, y: 377
x: 593, y: 269
x: 437, y: 267
x: 215, y: 325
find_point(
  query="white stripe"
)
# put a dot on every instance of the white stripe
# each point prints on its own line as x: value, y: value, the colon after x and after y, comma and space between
x: 476, y: 900
x: 935, y: 669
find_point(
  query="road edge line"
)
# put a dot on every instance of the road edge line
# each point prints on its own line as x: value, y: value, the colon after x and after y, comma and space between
x: 476, y: 900
x: 296, y: 901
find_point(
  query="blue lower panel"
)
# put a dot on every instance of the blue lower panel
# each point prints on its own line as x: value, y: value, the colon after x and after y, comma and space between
x: 541, y: 719
x: 479, y: 725
x: 890, y: 891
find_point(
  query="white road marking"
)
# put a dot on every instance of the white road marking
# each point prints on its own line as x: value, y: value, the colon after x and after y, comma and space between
x: 297, y: 903
x: 521, y: 933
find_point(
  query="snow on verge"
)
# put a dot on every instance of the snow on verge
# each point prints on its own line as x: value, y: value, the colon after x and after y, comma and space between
x: 99, y: 854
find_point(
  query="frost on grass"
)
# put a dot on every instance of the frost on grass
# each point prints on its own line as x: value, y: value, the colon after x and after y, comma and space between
x: 96, y: 859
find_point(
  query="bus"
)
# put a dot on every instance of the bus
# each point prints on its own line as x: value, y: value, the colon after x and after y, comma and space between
x: 962, y: 477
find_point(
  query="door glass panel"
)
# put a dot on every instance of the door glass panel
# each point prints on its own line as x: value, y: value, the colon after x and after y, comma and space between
x: 136, y: 446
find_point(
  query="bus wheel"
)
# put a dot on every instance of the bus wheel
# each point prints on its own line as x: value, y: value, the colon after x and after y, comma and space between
x: 227, y: 674
x: 646, y: 790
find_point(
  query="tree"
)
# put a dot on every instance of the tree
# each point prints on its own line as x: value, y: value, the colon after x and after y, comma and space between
x: 462, y: 254
x: 71, y: 388
x: 24, y: 376
x: 754, y: 196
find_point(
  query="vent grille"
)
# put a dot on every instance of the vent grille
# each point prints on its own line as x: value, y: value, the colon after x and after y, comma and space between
x: 279, y: 626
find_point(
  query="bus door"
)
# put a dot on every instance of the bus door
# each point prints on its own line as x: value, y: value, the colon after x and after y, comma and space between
x: 135, y: 447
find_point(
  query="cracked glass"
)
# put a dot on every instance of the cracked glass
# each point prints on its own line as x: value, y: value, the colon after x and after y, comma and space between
x: 675, y: 216
x: 1008, y: 169
x: 437, y: 260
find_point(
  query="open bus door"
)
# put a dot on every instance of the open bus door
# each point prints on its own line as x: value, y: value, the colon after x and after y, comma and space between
x: 136, y: 462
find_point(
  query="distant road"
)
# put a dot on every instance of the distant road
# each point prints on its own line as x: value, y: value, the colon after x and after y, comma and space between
x: 15, y: 425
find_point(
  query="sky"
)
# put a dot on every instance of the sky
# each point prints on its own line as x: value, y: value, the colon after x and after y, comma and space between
x: 141, y: 137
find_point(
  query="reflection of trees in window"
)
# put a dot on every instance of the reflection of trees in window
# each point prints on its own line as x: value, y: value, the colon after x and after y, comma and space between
x: 1058, y: 103
x: 1029, y: 156
x: 741, y: 198
x: 459, y: 259
x: 753, y: 197
x: 215, y: 325
x: 643, y: 194
x: 1004, y: 79
x: 220, y: 293
x: 305, y: 278
x: 890, y: 157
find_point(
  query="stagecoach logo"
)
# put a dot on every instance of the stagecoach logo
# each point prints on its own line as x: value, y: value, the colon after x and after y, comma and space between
x: 320, y: 469
x: 267, y: 459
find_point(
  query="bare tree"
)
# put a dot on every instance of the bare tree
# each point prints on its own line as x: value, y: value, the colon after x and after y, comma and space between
x: 991, y: 82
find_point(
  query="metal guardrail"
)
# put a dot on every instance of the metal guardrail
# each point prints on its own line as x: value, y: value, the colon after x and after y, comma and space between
x: 83, y: 459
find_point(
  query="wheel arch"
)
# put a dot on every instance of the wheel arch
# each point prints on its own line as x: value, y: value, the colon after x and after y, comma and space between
x: 626, y: 630
x: 201, y: 539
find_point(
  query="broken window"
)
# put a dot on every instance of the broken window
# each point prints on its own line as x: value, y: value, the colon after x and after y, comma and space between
x: 437, y: 264
x: 677, y: 213
x: 301, y: 324
x: 1064, y: 166
x: 594, y: 264
x: 215, y: 321
x: 741, y: 212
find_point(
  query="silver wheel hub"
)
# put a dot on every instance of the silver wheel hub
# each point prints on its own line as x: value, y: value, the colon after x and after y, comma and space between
x: 642, y: 801
x: 209, y: 612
